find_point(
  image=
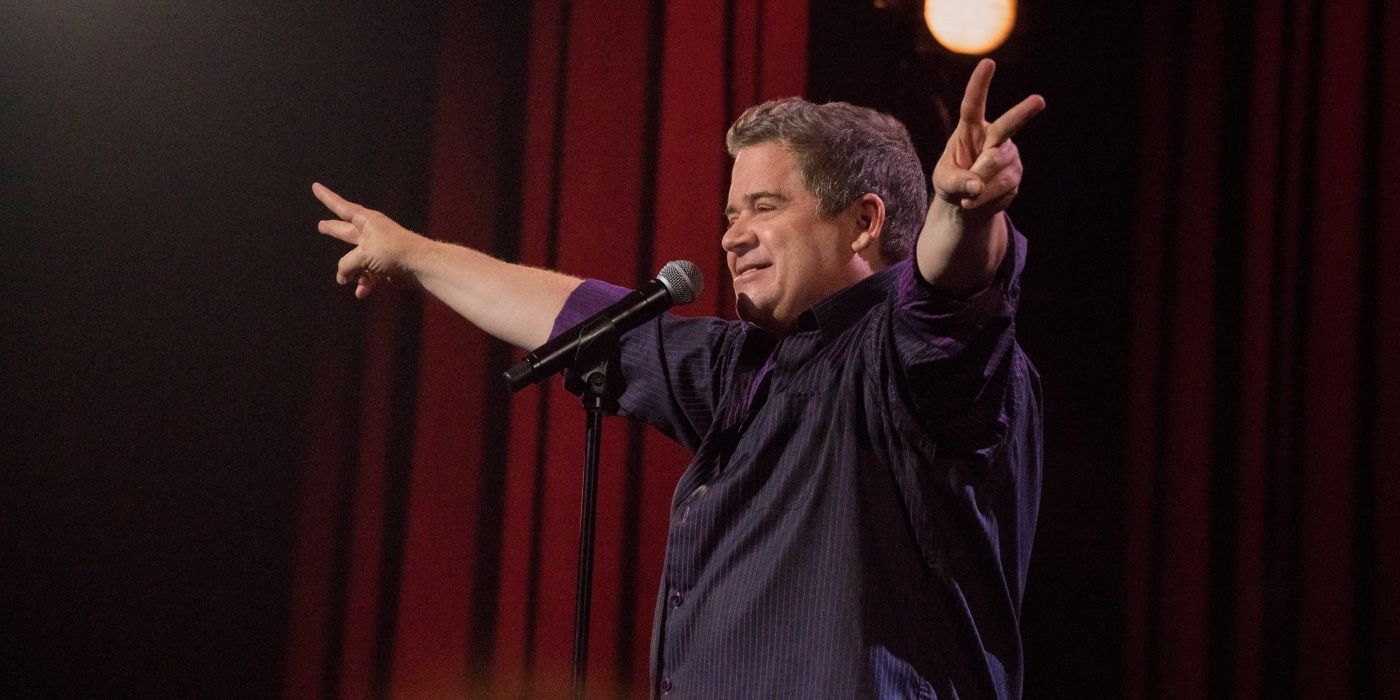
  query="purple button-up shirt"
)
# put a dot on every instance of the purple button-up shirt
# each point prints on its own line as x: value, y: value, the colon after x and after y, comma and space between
x: 857, y: 519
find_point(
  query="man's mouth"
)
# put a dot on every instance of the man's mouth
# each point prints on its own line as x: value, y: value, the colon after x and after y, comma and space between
x: 749, y: 269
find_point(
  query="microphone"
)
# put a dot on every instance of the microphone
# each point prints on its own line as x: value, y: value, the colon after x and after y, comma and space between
x: 678, y: 283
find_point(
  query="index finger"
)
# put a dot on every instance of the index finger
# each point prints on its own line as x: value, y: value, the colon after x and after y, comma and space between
x: 1008, y: 124
x: 337, y: 204
x: 974, y: 102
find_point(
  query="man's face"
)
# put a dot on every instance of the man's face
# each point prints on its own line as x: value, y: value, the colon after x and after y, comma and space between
x: 784, y: 256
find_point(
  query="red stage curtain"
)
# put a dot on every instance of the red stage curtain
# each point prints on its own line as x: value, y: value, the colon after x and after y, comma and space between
x: 1264, y: 435
x: 437, y: 545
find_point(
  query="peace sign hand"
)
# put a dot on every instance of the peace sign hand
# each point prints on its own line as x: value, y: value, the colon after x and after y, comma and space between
x: 980, y: 170
x: 381, y: 245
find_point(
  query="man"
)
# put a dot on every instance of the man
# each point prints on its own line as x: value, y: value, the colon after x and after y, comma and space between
x: 858, y: 515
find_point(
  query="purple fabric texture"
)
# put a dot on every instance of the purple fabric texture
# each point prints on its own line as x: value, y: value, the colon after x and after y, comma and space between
x: 858, y: 515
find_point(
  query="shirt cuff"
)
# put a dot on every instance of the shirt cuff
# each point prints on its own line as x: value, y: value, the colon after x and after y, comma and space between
x: 587, y: 299
x: 999, y: 297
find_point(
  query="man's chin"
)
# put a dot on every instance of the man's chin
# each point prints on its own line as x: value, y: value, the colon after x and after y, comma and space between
x: 748, y: 311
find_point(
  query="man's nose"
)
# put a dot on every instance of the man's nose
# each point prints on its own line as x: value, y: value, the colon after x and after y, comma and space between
x: 738, y: 237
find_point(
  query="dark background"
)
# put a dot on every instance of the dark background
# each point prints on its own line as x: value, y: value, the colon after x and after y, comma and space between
x: 164, y: 295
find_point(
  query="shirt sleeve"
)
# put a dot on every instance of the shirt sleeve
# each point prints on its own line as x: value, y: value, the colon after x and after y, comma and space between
x: 671, y: 366
x: 958, y: 354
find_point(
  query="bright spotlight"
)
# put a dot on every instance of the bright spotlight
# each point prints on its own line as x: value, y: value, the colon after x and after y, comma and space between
x: 970, y: 26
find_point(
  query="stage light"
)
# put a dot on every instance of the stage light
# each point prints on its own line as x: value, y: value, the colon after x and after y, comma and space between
x: 970, y: 26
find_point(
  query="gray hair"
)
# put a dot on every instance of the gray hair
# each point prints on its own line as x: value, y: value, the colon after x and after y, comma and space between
x: 844, y: 151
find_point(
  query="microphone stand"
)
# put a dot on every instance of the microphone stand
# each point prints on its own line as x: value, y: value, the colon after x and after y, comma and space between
x: 595, y: 382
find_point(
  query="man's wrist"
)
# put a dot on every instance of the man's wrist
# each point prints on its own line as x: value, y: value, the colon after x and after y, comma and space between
x: 417, y: 253
x: 960, y: 251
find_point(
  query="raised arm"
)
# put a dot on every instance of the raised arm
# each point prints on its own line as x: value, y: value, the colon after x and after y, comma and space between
x: 515, y: 303
x: 964, y: 236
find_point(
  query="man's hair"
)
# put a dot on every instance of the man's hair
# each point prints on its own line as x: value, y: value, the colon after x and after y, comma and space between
x: 844, y: 151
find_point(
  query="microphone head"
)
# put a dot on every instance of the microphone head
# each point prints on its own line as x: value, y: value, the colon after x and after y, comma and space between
x: 683, y: 280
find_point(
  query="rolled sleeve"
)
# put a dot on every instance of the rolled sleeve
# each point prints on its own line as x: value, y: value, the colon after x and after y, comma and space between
x: 587, y: 299
x: 933, y: 325
x: 959, y: 354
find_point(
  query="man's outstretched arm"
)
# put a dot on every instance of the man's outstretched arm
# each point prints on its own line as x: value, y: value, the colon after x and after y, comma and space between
x: 515, y: 303
x: 965, y: 234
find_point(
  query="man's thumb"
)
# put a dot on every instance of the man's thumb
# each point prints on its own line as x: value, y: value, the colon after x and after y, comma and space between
x: 957, y: 184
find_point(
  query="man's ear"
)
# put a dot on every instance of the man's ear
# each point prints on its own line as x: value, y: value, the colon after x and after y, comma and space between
x: 868, y: 215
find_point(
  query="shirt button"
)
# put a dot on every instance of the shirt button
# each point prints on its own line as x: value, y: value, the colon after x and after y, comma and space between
x: 676, y: 599
x: 666, y: 685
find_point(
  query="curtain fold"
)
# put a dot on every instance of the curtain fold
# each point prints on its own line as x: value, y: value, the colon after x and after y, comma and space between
x: 1262, y: 444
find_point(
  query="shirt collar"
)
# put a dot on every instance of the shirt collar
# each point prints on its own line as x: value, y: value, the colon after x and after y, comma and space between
x: 834, y: 314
